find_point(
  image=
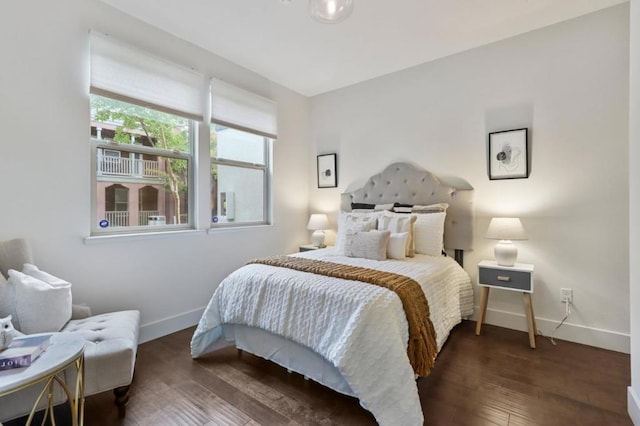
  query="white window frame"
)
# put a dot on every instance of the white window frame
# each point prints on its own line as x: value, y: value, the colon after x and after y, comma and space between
x: 267, y: 143
x: 139, y: 149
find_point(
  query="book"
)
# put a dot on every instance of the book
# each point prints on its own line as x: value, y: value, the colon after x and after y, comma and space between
x: 23, y: 351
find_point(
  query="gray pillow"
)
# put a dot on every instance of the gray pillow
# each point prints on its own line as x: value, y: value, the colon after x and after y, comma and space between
x: 367, y: 245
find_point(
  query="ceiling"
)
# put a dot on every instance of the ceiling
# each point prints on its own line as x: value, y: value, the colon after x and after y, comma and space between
x: 279, y: 40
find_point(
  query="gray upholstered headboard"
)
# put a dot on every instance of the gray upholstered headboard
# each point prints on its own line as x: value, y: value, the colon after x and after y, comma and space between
x: 409, y: 184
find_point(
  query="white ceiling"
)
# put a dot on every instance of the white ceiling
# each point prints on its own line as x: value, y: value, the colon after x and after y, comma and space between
x: 279, y: 40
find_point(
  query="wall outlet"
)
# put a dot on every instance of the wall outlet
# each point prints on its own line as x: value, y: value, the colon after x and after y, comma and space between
x: 566, y: 295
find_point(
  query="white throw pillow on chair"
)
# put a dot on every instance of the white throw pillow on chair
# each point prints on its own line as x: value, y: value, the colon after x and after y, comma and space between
x: 39, y: 306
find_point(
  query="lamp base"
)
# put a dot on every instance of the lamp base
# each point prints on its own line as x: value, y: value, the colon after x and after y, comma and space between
x: 317, y: 239
x: 506, y: 253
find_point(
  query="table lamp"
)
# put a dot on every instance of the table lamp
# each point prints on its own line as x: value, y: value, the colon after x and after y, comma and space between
x: 506, y: 229
x: 318, y: 222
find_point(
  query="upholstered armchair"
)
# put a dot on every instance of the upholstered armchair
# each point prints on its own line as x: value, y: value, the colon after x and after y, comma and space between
x: 111, y: 338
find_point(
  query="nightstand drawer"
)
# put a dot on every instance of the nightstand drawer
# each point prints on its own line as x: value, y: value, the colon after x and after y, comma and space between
x: 515, y: 280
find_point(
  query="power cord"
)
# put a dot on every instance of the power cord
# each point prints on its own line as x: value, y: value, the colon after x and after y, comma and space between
x: 567, y: 312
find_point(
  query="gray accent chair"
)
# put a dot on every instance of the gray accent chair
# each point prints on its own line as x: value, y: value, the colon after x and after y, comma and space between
x: 110, y: 349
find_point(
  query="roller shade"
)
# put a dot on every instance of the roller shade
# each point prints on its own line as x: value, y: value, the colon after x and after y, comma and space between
x: 129, y: 74
x: 233, y: 106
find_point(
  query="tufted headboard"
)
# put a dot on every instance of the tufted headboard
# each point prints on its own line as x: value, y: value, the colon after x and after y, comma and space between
x: 409, y: 184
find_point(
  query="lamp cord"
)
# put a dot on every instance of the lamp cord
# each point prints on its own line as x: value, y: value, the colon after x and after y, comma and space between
x: 567, y: 312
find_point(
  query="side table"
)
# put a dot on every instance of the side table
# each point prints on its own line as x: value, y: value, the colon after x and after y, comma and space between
x: 518, y: 277
x: 65, y: 350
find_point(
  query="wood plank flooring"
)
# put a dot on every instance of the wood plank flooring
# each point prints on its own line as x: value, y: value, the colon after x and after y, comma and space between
x: 492, y: 379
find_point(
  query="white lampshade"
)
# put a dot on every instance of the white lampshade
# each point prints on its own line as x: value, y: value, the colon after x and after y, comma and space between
x: 318, y: 222
x: 330, y: 11
x: 506, y: 229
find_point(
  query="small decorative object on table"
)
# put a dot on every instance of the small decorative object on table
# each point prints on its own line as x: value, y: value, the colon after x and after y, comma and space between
x: 7, y: 332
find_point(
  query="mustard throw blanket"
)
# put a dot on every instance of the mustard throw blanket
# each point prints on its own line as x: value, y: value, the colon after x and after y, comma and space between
x: 422, y: 348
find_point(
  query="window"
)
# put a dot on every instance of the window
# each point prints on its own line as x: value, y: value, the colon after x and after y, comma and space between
x: 143, y: 166
x: 243, y: 128
x: 239, y: 176
x: 143, y: 113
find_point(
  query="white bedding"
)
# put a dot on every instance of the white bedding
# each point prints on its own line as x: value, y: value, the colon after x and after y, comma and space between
x: 357, y: 327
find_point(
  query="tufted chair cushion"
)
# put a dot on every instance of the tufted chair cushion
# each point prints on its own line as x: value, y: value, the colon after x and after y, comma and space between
x: 110, y: 351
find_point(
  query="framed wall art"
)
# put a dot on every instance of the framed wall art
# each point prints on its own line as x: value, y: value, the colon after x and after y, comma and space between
x: 508, y: 154
x: 327, y: 172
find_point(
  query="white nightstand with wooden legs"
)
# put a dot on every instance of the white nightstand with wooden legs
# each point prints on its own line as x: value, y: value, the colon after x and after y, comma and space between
x: 515, y: 278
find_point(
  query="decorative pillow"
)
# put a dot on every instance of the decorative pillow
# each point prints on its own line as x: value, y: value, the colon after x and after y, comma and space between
x: 397, y: 246
x: 362, y: 206
x: 349, y: 223
x: 375, y: 207
x: 401, y: 208
x: 429, y: 233
x: 368, y: 245
x: 7, y: 298
x: 431, y: 208
x: 33, y: 271
x: 398, y: 222
x: 39, y: 306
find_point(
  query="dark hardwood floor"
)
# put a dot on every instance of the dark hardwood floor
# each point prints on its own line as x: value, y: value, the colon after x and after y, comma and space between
x: 492, y: 379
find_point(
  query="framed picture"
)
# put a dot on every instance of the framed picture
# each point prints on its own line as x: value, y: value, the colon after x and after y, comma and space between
x: 327, y: 172
x: 508, y: 154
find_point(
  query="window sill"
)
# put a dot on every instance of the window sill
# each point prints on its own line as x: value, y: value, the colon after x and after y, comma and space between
x: 231, y: 228
x: 100, y: 239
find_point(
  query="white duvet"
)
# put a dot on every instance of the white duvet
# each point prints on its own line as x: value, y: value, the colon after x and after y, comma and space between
x: 359, y: 328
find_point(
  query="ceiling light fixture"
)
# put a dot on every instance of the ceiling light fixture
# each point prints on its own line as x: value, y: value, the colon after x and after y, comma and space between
x: 330, y: 11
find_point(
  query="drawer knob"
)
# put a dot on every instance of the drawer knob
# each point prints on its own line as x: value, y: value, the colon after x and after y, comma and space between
x: 503, y: 278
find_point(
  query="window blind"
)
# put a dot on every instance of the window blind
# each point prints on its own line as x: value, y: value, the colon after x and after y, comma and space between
x: 129, y: 74
x: 236, y: 107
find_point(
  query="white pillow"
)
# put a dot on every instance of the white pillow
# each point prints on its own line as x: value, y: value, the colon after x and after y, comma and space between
x: 399, y: 222
x: 429, y: 233
x: 39, y: 306
x: 33, y: 271
x: 7, y: 299
x: 350, y: 223
x: 431, y: 208
x: 367, y: 245
x: 397, y: 246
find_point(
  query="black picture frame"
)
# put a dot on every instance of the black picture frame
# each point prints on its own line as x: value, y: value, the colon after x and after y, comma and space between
x: 327, y: 171
x: 508, y: 154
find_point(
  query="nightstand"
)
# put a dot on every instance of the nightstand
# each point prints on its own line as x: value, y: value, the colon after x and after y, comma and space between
x: 518, y: 277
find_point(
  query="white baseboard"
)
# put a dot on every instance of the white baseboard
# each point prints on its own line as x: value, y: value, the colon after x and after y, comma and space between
x: 633, y: 406
x: 169, y: 325
x: 606, y: 339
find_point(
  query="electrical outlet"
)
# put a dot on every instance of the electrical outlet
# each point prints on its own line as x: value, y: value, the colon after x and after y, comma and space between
x: 566, y: 295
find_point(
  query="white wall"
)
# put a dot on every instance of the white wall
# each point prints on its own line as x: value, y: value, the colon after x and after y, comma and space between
x: 634, y: 201
x: 568, y: 84
x: 45, y: 169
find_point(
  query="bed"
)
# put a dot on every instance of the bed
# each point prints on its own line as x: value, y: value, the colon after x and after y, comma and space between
x: 337, y: 330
